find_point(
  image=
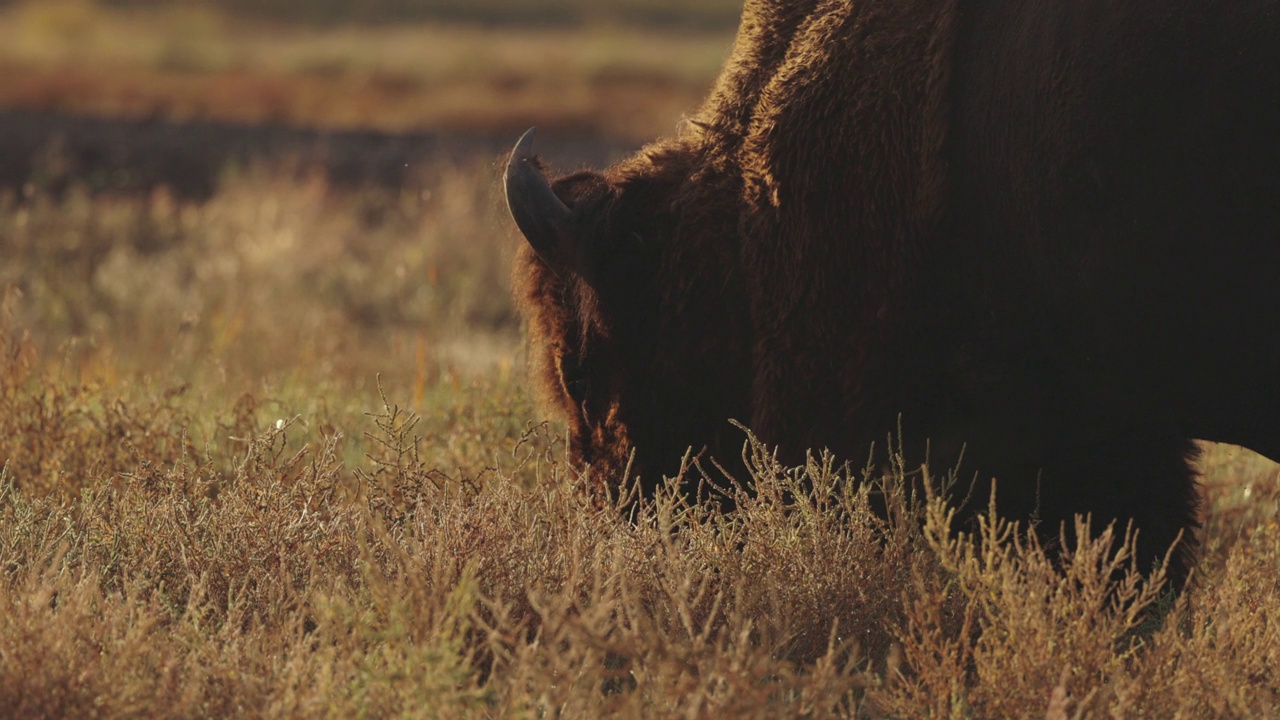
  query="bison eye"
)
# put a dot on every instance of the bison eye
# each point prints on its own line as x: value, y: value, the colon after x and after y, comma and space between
x: 575, y: 378
x: 578, y: 388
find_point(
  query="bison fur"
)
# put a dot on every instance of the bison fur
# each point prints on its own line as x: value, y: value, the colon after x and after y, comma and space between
x: 1045, y: 232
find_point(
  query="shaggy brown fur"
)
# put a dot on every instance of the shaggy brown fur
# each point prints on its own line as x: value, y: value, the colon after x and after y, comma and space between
x: 1041, y: 231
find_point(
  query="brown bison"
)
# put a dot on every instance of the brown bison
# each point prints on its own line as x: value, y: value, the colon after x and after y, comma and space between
x: 1045, y: 232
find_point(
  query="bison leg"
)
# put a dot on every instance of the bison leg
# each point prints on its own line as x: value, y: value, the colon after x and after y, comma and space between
x: 1149, y: 480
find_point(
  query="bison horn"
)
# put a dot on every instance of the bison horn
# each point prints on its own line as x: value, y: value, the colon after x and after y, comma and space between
x: 541, y: 216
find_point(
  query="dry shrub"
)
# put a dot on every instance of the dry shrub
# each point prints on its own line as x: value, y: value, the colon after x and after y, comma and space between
x: 291, y: 585
x: 57, y: 436
x: 1034, y: 626
x: 1218, y: 654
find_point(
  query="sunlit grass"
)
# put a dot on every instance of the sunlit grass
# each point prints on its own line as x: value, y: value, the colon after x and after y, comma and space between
x: 187, y: 62
x: 272, y: 454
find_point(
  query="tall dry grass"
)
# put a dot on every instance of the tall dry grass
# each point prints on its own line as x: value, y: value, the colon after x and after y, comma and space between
x: 275, y: 581
x: 282, y: 291
x: 212, y: 506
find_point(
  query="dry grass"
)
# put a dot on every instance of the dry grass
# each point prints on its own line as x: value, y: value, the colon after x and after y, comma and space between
x: 659, y: 13
x: 208, y: 509
x: 184, y: 61
x: 271, y: 454
x: 280, y: 290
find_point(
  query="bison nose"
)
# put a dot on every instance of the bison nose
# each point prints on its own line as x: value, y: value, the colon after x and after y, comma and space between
x: 542, y: 217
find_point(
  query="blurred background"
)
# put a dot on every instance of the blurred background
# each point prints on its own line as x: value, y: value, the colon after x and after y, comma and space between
x: 287, y: 199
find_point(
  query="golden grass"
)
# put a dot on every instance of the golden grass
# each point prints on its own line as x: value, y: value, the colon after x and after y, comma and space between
x: 272, y: 454
x: 186, y: 62
x: 211, y: 507
x: 660, y: 13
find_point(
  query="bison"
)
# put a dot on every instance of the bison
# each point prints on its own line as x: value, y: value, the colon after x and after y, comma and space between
x: 1045, y: 232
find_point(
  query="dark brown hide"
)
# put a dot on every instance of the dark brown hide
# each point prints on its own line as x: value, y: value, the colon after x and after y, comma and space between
x: 1047, y: 232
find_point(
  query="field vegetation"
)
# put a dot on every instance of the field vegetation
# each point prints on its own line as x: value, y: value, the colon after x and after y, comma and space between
x: 184, y: 61
x: 687, y: 14
x: 273, y: 454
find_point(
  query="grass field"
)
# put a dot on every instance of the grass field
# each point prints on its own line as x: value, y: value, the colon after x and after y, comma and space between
x: 273, y: 454
x: 720, y: 14
x: 187, y: 61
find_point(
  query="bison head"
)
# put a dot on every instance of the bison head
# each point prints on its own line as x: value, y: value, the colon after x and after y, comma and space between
x: 634, y: 319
